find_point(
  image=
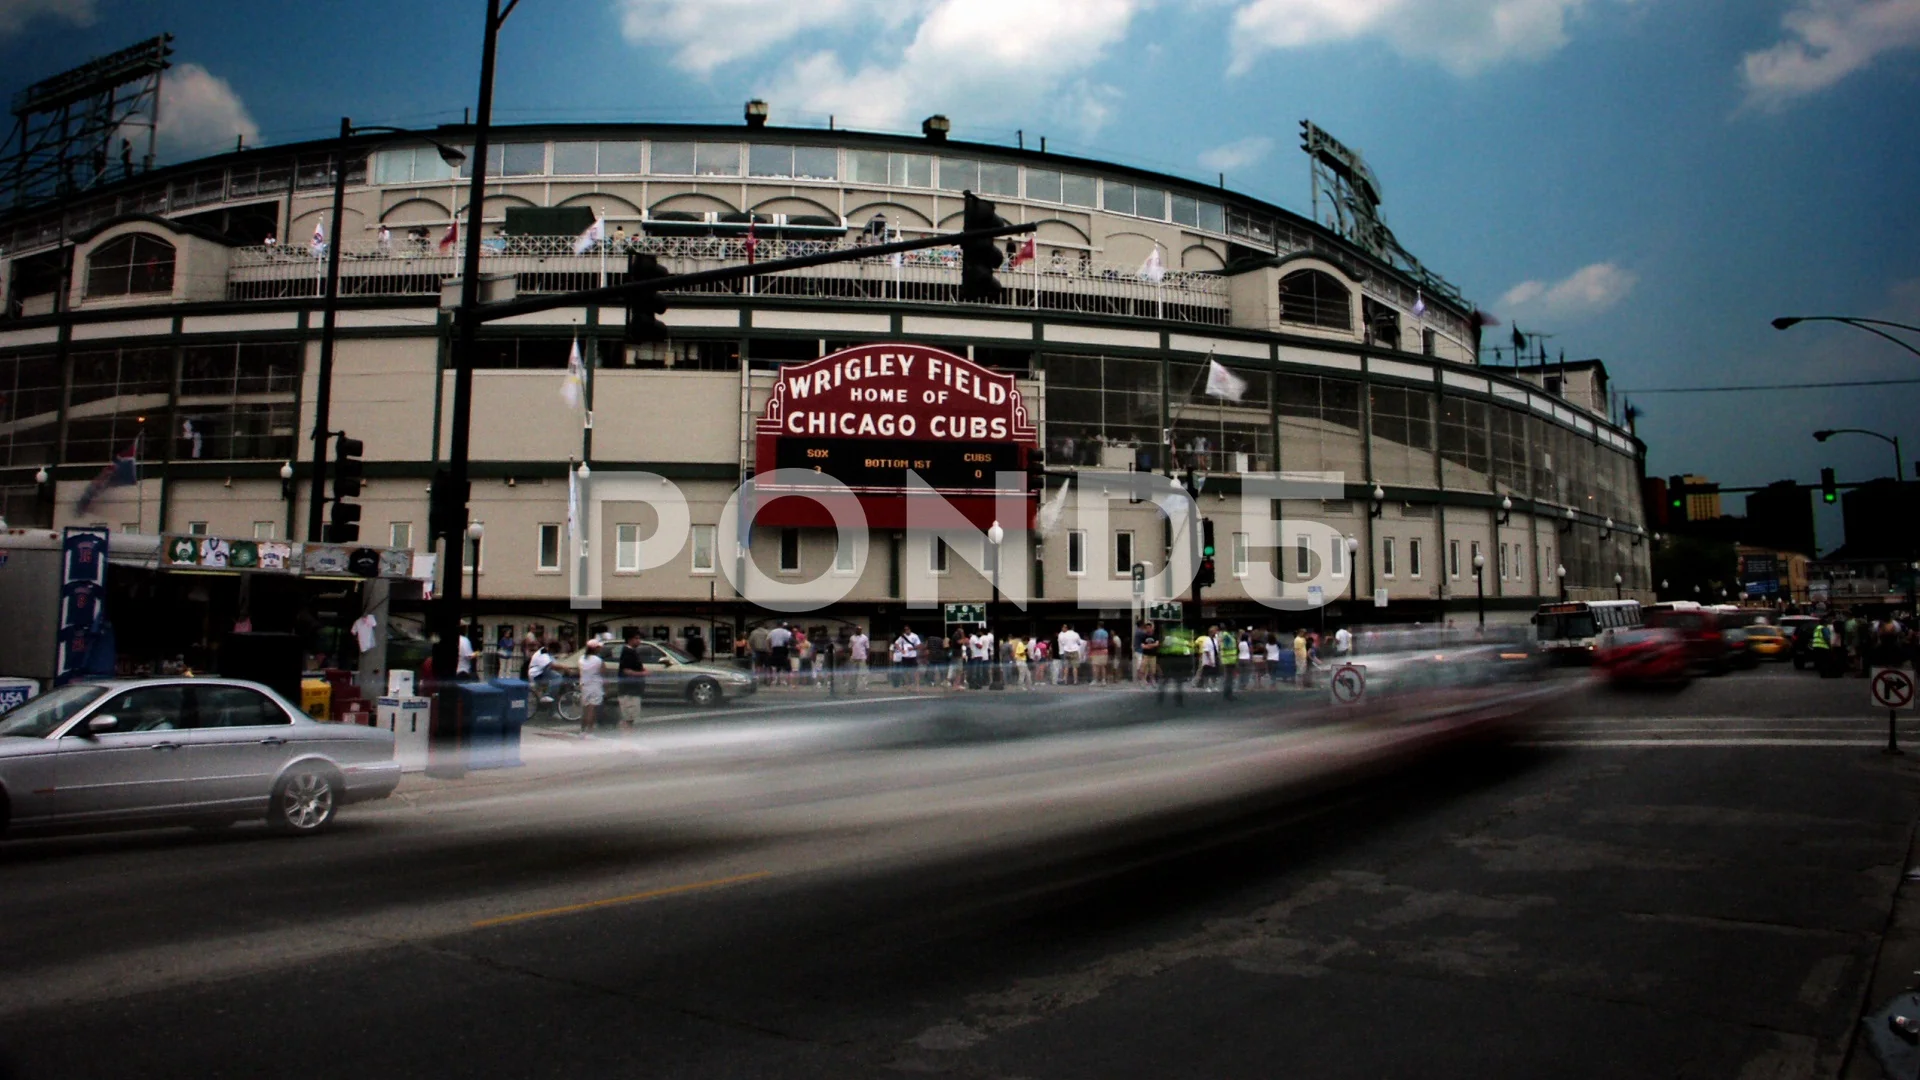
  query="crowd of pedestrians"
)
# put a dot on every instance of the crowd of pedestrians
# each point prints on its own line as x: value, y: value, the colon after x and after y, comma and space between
x: 1839, y: 644
x: 1222, y: 659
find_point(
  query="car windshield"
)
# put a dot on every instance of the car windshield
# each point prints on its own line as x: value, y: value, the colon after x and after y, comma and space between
x: 673, y: 654
x: 38, y: 717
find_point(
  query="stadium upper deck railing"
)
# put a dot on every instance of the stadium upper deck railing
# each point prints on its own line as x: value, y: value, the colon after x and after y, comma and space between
x: 551, y: 264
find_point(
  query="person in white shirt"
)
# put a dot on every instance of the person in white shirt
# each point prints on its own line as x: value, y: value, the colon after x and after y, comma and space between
x: 979, y: 655
x: 593, y: 687
x: 857, y: 648
x: 1273, y: 659
x: 1069, y: 645
x: 1342, y: 642
x: 1209, y: 657
x: 464, y: 669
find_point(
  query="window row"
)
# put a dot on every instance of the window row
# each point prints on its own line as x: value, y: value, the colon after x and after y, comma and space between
x: 799, y: 161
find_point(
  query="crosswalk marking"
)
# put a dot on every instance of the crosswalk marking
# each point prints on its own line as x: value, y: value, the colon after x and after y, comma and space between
x: 1693, y: 732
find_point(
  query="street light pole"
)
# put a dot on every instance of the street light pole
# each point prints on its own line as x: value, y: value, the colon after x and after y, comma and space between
x: 329, y: 307
x: 329, y: 315
x: 995, y: 534
x: 1619, y: 592
x: 444, y: 616
x: 1899, y: 473
x: 1353, y: 575
x: 1786, y: 321
x: 1480, y: 586
x: 1560, y: 572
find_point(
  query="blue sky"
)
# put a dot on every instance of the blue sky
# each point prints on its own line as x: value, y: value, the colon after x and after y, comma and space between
x: 1649, y: 180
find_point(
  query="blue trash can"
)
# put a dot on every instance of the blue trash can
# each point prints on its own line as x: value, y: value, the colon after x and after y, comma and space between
x: 513, y: 718
x: 484, y: 708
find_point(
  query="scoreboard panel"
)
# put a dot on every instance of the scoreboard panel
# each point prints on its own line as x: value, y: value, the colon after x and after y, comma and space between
x: 884, y: 463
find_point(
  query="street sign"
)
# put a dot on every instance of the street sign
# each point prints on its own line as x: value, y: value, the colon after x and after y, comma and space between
x: 1379, y: 598
x: 966, y: 613
x: 1316, y: 596
x: 1892, y: 688
x: 1139, y: 579
x: 1349, y: 684
x: 1165, y: 611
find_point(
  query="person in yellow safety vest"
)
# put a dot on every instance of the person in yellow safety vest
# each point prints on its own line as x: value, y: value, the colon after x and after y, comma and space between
x: 1229, y: 652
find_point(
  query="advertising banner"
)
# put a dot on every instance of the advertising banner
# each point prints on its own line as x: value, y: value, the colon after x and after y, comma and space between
x: 84, y: 643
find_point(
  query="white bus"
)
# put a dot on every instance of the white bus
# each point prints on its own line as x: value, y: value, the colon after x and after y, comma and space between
x: 1570, y: 629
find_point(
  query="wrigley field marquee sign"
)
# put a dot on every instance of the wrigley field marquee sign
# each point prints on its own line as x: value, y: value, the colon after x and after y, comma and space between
x: 869, y: 415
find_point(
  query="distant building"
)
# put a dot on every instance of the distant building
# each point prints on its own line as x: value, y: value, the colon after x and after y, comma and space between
x: 1703, y: 498
x: 1781, y: 516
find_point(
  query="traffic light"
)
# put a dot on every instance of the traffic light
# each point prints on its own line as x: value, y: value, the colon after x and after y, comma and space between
x: 343, y: 520
x: 1036, y: 471
x: 1205, y: 576
x: 644, y: 309
x: 446, y: 508
x: 1829, y: 491
x: 980, y: 257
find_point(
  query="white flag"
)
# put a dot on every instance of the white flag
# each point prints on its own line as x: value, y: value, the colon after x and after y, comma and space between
x: 318, y: 245
x: 1048, y: 519
x: 595, y: 233
x: 1153, y: 269
x: 1222, y: 383
x: 575, y: 380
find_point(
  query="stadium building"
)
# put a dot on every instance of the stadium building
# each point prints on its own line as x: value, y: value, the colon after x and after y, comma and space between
x: 173, y: 315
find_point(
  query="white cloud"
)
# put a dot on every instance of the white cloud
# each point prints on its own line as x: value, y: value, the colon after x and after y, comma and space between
x: 1828, y: 40
x: 1463, y: 36
x: 16, y: 14
x: 1237, y: 154
x: 706, y: 34
x: 1587, y: 291
x: 892, y: 62
x: 200, y: 114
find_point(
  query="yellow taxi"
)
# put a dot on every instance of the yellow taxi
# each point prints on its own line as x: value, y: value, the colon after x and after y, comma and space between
x: 1768, y: 642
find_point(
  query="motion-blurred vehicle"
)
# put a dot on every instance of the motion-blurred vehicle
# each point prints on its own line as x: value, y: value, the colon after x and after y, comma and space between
x: 1708, y: 649
x: 670, y: 673
x: 201, y: 752
x: 1765, y: 642
x: 1739, y: 639
x: 1569, y: 631
x: 1799, y: 631
x: 1643, y: 656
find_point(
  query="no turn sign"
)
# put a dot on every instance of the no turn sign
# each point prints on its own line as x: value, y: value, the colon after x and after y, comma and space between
x: 1349, y: 684
x: 1892, y: 688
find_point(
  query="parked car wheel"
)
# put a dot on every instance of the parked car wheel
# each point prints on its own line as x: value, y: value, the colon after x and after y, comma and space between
x: 704, y: 693
x: 304, y: 800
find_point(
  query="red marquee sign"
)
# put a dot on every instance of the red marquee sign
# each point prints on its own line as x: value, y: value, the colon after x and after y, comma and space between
x: 870, y: 414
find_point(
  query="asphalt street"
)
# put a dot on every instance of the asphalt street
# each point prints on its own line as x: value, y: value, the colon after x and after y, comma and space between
x: 1687, y: 884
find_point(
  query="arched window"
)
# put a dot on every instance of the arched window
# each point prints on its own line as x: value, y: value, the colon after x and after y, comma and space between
x: 131, y: 265
x: 1315, y: 298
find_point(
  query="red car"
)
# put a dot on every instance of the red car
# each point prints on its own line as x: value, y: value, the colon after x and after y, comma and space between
x: 1643, y: 656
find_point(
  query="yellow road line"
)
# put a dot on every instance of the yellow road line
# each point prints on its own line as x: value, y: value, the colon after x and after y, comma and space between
x: 631, y: 898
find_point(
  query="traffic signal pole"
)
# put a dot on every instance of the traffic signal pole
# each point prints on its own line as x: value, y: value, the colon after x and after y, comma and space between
x: 621, y: 295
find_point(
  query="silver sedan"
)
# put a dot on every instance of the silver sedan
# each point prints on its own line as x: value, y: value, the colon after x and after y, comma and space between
x: 203, y: 752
